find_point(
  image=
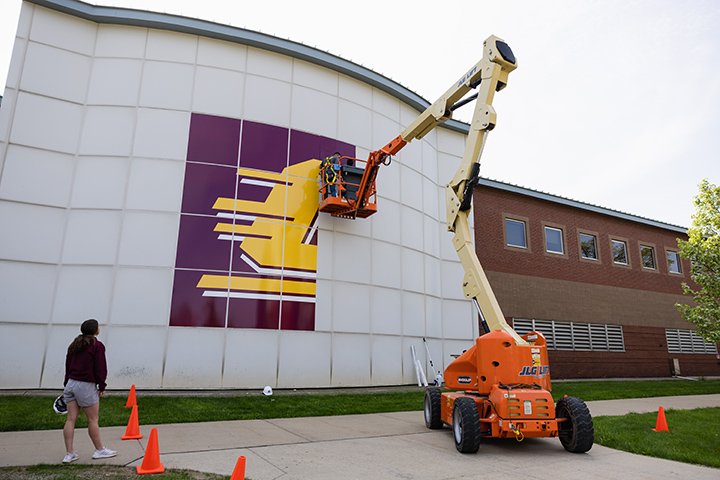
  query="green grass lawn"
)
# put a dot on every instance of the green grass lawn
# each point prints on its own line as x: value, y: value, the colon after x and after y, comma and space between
x: 93, y: 472
x: 35, y: 412
x: 694, y: 435
x: 611, y: 390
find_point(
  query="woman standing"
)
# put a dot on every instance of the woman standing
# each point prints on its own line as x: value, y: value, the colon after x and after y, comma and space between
x: 85, y: 374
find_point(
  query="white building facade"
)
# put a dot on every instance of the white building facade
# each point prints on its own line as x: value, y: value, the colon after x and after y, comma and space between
x: 159, y: 174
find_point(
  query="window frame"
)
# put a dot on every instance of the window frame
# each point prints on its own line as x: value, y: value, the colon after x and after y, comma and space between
x: 596, y: 236
x: 561, y: 229
x: 654, y: 253
x: 681, y: 271
x: 626, y: 242
x: 526, y: 224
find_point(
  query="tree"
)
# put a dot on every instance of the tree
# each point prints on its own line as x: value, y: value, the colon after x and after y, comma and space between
x: 702, y: 248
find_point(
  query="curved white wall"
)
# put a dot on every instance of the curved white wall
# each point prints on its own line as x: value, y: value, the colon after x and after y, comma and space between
x: 94, y: 132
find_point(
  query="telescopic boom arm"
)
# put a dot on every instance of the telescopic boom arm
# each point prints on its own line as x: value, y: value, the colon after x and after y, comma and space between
x: 490, y: 74
x: 497, y: 62
x: 500, y: 386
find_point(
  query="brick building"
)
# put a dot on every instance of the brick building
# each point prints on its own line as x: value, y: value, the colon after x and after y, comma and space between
x: 167, y: 145
x: 600, y: 284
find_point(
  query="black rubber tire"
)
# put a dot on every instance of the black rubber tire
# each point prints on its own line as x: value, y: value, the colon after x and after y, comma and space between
x: 431, y: 408
x: 466, y: 426
x: 576, y: 434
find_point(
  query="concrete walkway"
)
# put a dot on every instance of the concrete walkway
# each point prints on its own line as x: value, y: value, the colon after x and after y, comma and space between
x: 377, y: 446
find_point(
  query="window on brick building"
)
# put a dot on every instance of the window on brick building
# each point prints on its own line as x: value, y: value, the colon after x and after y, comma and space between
x: 588, y: 246
x: 554, y: 240
x: 673, y: 261
x: 647, y: 254
x: 619, y: 252
x: 515, y: 235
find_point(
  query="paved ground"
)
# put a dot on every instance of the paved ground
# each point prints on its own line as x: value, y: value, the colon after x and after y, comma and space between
x: 382, y: 446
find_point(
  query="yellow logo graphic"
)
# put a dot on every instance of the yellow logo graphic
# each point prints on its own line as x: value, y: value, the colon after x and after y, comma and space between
x: 276, y: 242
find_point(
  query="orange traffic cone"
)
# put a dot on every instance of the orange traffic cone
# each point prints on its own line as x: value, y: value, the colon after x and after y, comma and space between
x: 151, y: 460
x: 132, y: 432
x: 661, y: 424
x: 239, y: 472
x: 131, y: 401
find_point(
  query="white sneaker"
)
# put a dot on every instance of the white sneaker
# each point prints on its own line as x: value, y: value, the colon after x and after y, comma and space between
x: 70, y: 457
x: 103, y: 453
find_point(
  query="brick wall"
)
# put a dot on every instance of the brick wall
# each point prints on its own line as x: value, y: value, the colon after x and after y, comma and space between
x: 645, y: 355
x: 534, y: 284
x: 524, y: 296
x: 491, y: 205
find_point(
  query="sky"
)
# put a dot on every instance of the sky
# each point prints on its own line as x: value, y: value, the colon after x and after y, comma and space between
x: 614, y: 102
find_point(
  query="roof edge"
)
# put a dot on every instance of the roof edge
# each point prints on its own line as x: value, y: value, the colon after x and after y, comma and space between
x: 486, y: 182
x: 206, y: 28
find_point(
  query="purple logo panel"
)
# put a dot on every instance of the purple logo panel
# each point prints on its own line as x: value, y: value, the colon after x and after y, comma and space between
x: 264, y: 147
x: 247, y: 244
x: 213, y: 140
x: 198, y: 246
x: 204, y: 182
x: 306, y: 145
x: 258, y: 313
x: 189, y: 309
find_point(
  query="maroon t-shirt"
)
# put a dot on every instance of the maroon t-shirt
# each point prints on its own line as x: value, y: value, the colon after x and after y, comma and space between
x: 87, y: 365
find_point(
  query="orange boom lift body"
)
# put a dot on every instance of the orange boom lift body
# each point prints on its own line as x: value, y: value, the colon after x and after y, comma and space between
x: 500, y: 387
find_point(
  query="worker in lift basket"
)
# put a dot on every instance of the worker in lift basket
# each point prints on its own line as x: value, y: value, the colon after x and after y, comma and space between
x: 331, y: 170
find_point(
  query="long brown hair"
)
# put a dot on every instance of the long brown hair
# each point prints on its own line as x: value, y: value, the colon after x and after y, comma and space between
x: 88, y: 329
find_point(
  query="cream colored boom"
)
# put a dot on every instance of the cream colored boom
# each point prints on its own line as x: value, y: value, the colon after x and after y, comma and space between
x: 491, y: 73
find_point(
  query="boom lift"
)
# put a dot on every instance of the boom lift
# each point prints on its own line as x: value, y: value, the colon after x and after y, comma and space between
x: 501, y: 385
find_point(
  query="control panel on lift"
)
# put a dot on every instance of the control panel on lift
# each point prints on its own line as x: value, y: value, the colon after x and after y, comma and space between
x: 340, y: 183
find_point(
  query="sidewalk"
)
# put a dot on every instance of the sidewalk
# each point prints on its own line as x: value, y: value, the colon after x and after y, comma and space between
x: 384, y: 446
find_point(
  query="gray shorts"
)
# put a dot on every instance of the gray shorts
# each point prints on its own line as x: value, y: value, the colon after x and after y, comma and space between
x: 84, y: 393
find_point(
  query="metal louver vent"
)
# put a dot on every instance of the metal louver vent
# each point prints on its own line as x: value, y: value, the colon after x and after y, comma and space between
x: 687, y: 341
x: 575, y: 335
